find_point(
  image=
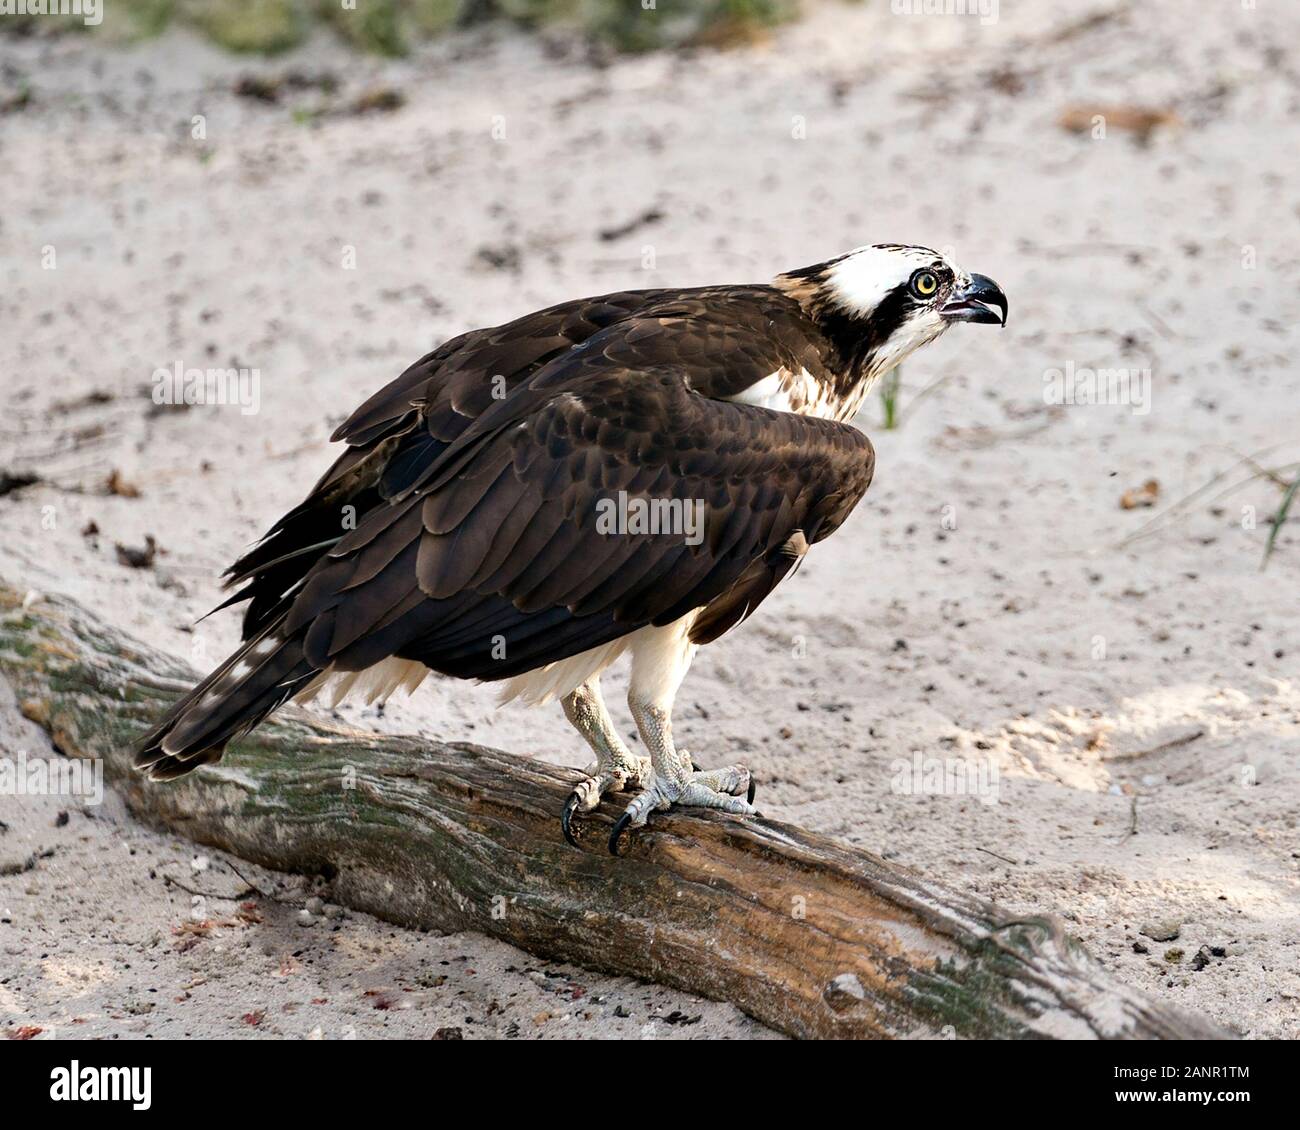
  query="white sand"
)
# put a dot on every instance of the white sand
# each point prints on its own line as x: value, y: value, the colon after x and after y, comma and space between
x: 1024, y: 639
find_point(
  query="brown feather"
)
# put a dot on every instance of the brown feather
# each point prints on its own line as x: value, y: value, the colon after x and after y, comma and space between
x: 477, y: 512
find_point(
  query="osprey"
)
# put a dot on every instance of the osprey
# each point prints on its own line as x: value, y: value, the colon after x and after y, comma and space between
x: 488, y: 517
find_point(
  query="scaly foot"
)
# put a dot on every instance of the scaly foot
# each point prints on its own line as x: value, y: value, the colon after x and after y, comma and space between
x: 702, y: 788
x: 621, y: 773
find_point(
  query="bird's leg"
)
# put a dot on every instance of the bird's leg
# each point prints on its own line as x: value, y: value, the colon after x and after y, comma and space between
x: 676, y: 780
x: 616, y: 767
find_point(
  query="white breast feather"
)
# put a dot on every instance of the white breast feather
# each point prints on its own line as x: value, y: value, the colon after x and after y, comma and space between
x: 786, y: 391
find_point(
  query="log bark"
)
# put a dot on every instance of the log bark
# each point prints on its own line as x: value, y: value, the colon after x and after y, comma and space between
x: 812, y: 937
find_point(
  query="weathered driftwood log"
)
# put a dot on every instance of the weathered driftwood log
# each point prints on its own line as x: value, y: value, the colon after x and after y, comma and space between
x: 808, y: 936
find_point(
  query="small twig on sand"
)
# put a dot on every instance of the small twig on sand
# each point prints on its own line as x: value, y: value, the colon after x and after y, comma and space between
x: 250, y: 884
x: 250, y: 888
x: 1158, y: 323
x: 1172, y: 743
x: 1013, y: 862
x: 239, y: 896
x: 1262, y: 472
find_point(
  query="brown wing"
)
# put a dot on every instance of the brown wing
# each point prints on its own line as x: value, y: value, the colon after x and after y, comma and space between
x: 501, y: 562
x: 719, y: 339
x: 488, y: 557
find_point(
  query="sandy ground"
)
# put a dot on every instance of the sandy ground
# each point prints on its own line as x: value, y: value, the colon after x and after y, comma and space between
x: 1136, y: 701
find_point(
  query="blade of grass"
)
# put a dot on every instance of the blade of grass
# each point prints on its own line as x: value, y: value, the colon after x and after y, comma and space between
x: 1278, y: 519
x: 889, y: 387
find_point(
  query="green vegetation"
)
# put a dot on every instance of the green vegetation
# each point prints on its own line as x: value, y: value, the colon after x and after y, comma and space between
x: 889, y: 386
x: 375, y: 26
x: 432, y: 17
x: 393, y: 27
x: 646, y: 25
x: 129, y: 21
x: 262, y: 27
x: 1284, y: 508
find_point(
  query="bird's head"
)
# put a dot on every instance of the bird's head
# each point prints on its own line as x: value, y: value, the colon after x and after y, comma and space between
x: 879, y: 303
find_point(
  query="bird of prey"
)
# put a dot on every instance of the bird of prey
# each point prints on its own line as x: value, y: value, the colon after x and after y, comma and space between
x: 488, y: 516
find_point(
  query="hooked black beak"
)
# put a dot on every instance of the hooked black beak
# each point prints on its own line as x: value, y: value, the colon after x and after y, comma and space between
x: 974, y: 303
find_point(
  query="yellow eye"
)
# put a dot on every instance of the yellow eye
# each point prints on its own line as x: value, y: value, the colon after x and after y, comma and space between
x: 924, y: 284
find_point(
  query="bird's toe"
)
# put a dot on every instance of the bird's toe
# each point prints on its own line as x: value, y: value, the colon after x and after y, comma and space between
x: 734, y: 780
x: 566, y: 817
x: 586, y: 797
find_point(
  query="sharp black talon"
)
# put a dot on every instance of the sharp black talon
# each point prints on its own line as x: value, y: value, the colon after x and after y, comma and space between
x: 753, y: 788
x: 619, y: 825
x: 695, y: 767
x: 570, y: 806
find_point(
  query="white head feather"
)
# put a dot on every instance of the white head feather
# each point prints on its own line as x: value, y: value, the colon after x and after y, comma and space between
x: 859, y: 281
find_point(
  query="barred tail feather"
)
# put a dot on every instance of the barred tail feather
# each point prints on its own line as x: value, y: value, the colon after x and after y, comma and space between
x: 261, y: 676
